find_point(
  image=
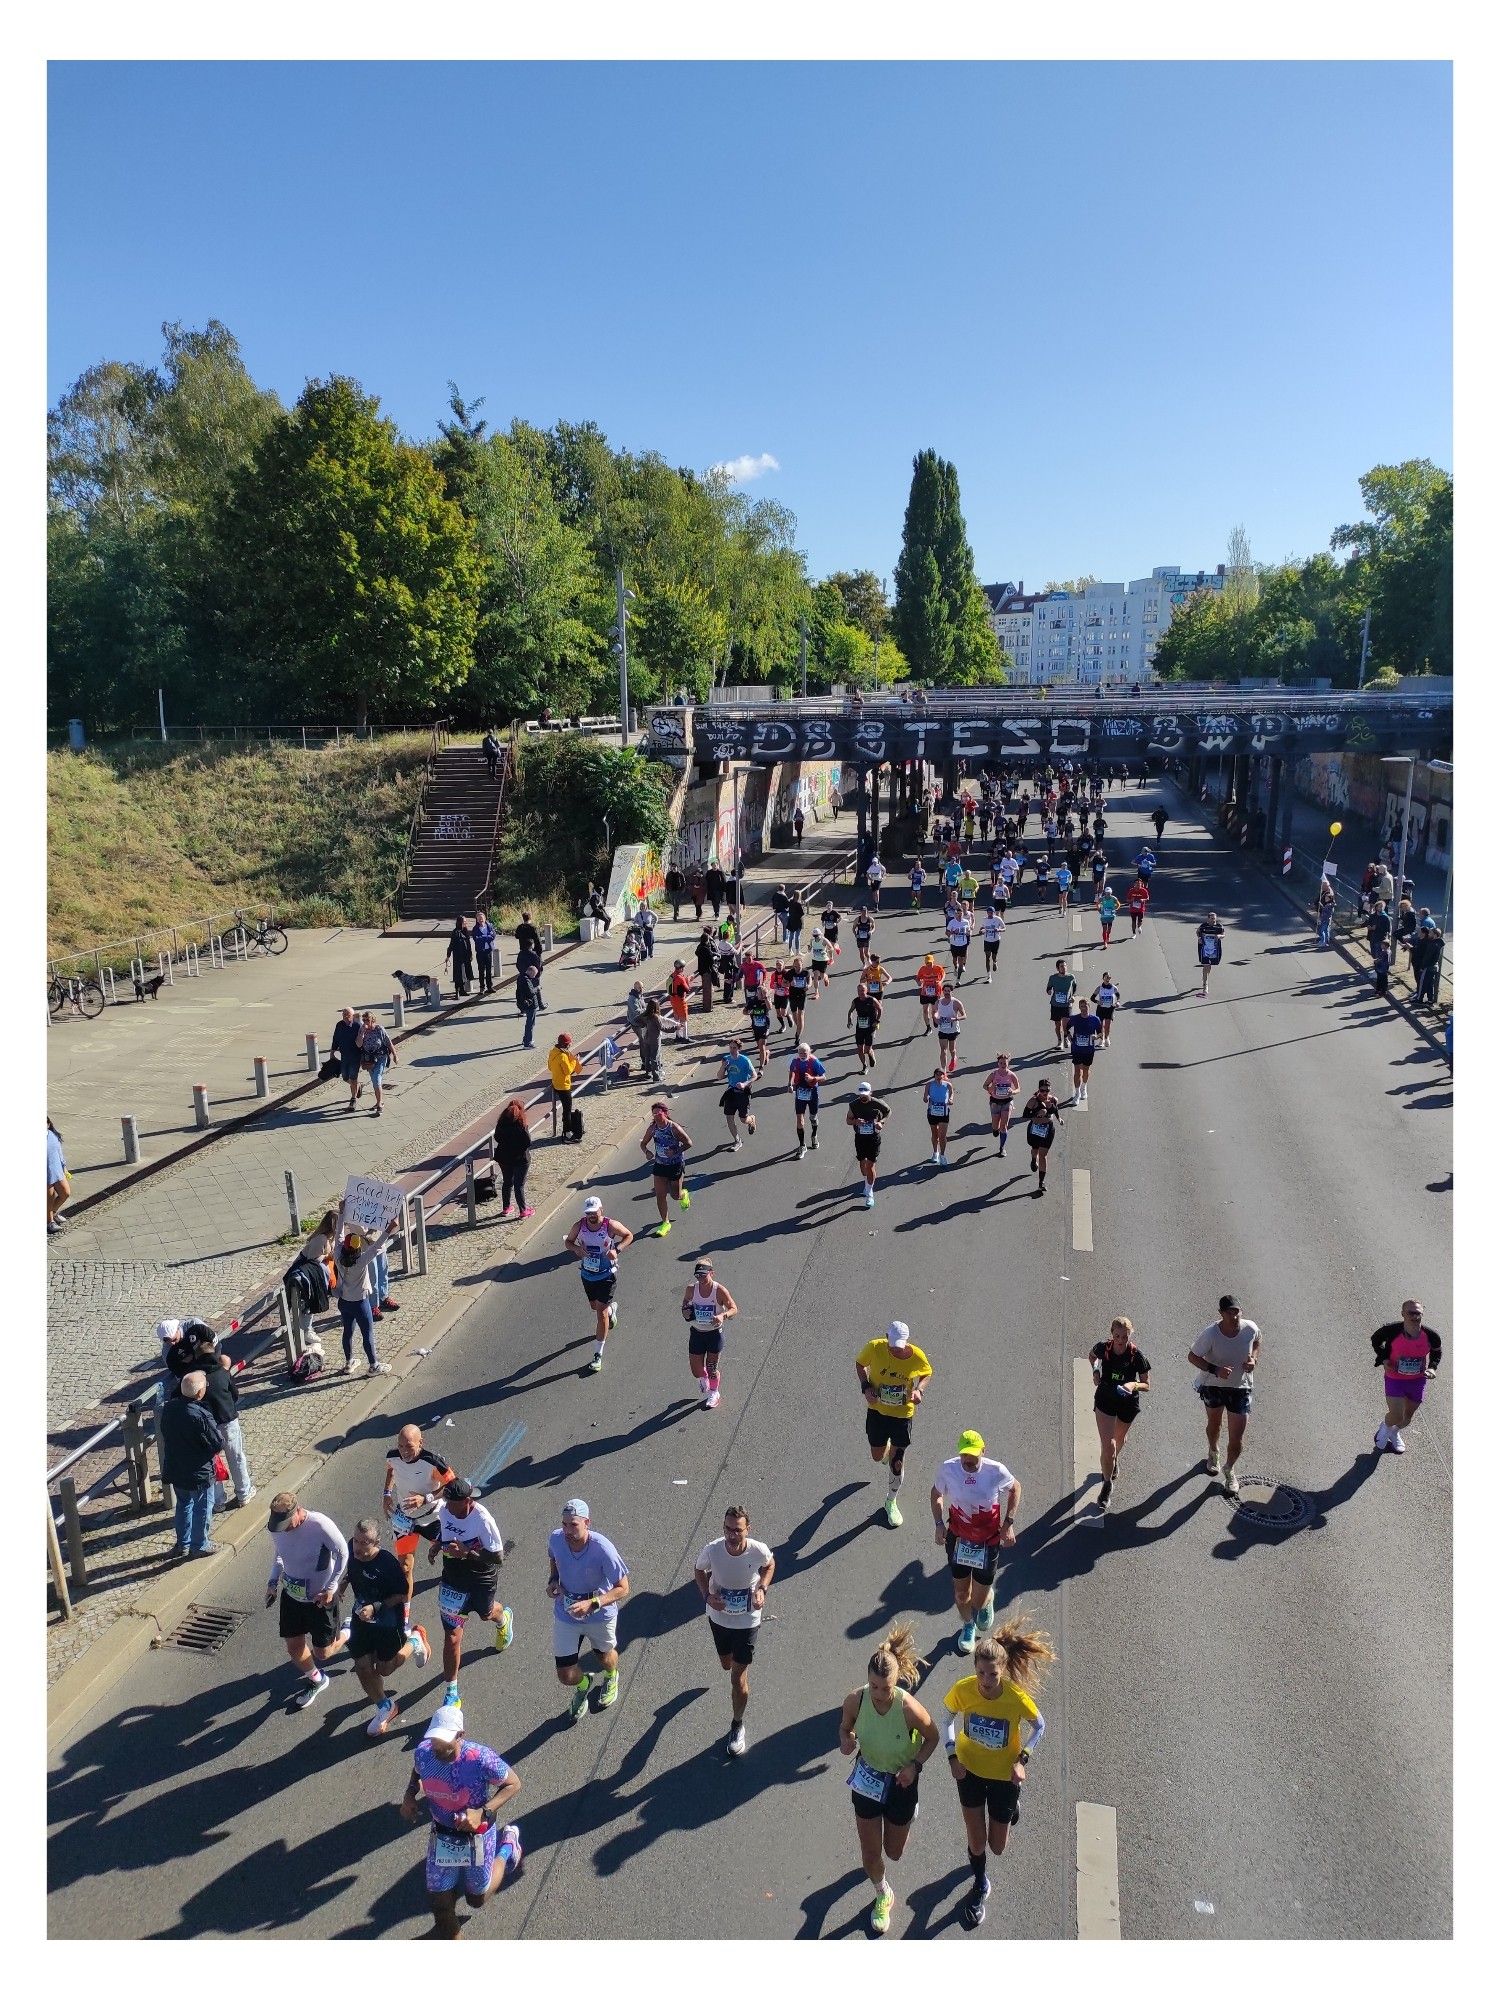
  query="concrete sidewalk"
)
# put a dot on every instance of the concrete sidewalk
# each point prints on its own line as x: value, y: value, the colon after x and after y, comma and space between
x: 206, y: 1231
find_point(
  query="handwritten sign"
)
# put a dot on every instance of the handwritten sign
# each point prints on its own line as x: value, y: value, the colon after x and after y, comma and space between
x: 370, y: 1205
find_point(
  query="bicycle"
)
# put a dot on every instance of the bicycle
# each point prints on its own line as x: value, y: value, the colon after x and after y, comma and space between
x: 77, y: 996
x: 266, y: 937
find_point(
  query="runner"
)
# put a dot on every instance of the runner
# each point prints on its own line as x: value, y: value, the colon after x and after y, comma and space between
x: 953, y: 870
x: 1061, y: 986
x: 1411, y: 1354
x: 830, y: 920
x: 804, y: 1073
x: 798, y: 980
x: 968, y: 889
x: 665, y: 1144
x: 738, y: 1073
x: 1122, y: 1374
x: 706, y: 1305
x: 466, y: 1787
x: 1083, y: 1034
x: 1099, y: 869
x: 1159, y: 821
x: 309, y: 1563
x: 758, y: 1011
x: 733, y: 1575
x: 983, y: 1499
x: 874, y: 876
x: 950, y: 1015
x: 1000, y: 1086
x: 864, y: 930
x: 890, y: 1736
x: 960, y: 931
x: 1137, y: 896
x: 1145, y: 865
x: 991, y: 931
x: 378, y: 1639
x: 1002, y: 1727
x: 472, y: 1550
x: 866, y: 1115
x: 597, y: 1242
x: 1210, y: 948
x: 1043, y: 867
x: 1105, y: 997
x: 820, y: 952
x: 753, y: 973
x: 891, y: 1374
x: 1225, y: 1355
x: 587, y: 1580
x: 414, y: 1482
x: 918, y: 881
x: 877, y: 976
x: 1064, y: 888
x: 1109, y: 909
x: 929, y: 977
x: 780, y: 995
x: 864, y: 1014
x: 937, y: 1095
x: 1042, y: 1127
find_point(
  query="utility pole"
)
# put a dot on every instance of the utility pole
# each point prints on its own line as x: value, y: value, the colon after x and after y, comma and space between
x: 161, y: 710
x: 1364, y: 645
x: 802, y: 635
x: 620, y: 595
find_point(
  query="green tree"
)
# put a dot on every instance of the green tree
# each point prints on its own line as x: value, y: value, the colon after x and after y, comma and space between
x: 1400, y: 565
x: 1075, y: 586
x: 354, y: 579
x: 862, y: 595
x: 939, y: 618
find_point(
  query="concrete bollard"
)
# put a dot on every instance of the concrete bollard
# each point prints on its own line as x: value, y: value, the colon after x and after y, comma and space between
x: 164, y: 967
x: 107, y: 981
x: 398, y: 1011
x: 293, y: 1207
x: 200, y: 1107
x: 314, y: 1060
x: 262, y: 1078
x: 132, y: 1140
x: 434, y: 993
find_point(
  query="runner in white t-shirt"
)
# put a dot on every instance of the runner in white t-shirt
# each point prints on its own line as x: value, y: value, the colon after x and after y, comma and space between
x: 982, y: 1498
x: 733, y: 1575
x: 875, y: 875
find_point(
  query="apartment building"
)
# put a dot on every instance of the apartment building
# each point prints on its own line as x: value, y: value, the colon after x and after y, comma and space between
x: 1107, y: 633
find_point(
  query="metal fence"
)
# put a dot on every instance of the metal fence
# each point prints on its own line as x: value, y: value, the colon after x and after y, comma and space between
x: 169, y: 948
x: 295, y: 735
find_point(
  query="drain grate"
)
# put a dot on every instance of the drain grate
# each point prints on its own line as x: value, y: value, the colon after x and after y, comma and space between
x: 205, y: 1627
x: 1270, y: 1502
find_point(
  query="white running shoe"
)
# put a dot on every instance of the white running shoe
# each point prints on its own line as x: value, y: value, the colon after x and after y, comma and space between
x: 935, y: 1158
x: 1397, y: 1442
x: 711, y: 1400
x: 736, y: 1147
x: 869, y: 1197
x: 800, y: 1151
x: 1380, y: 1438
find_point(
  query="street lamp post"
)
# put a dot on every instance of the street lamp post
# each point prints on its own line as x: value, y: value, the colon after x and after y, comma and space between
x: 621, y: 594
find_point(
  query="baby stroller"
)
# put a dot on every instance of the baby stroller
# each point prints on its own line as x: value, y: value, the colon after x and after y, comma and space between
x: 632, y: 946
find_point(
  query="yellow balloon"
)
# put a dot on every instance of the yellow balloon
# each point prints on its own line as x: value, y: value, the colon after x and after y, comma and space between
x: 1337, y: 828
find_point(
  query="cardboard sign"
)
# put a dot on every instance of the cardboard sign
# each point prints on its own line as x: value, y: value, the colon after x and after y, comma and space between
x: 1330, y: 869
x: 370, y: 1205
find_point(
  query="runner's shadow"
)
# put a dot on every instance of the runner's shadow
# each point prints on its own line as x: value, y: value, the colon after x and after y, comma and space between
x: 923, y: 1903
x: 563, y: 1466
x: 817, y: 1906
x: 1246, y: 1533
x: 789, y: 1549
x: 1057, y: 1548
x: 913, y: 1588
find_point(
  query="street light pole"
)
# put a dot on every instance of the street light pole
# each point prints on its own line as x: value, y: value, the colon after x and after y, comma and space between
x: 624, y: 666
x: 802, y: 636
x: 1364, y: 645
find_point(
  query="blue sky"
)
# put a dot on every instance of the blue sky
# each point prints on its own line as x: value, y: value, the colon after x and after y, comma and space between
x: 1134, y: 303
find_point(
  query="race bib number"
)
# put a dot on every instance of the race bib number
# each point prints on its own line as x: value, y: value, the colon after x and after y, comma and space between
x: 867, y: 1783
x: 975, y: 1554
x: 989, y: 1732
x: 1411, y: 1364
x: 452, y: 1602
x: 596, y: 1264
x: 804, y: 1094
x: 295, y: 1589
x: 402, y: 1524
x: 1208, y: 950
x: 1038, y: 1134
x: 892, y: 1394
x: 736, y: 1600
x: 451, y: 1849
x: 706, y: 1315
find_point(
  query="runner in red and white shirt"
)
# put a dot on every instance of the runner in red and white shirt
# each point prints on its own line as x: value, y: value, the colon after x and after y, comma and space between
x: 982, y: 1498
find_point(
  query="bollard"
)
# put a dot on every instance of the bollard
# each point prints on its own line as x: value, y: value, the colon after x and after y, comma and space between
x: 107, y: 981
x: 469, y: 1192
x: 434, y: 993
x: 398, y: 1011
x: 314, y: 1060
x: 292, y: 1207
x: 73, y: 1530
x: 138, y: 970
x: 132, y: 1140
x: 54, y: 1557
x: 200, y: 1107
x: 421, y: 1219
x: 164, y: 967
x: 262, y: 1078
x: 549, y: 937
x: 190, y: 962
x: 216, y: 952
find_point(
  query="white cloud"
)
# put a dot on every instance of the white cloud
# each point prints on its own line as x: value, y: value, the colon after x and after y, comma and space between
x: 746, y: 467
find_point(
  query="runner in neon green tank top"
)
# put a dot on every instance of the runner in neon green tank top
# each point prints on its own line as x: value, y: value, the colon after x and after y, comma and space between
x: 890, y: 1736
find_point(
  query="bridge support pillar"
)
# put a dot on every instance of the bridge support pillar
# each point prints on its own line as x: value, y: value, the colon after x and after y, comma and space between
x: 874, y: 808
x: 1271, y: 841
x: 862, y: 818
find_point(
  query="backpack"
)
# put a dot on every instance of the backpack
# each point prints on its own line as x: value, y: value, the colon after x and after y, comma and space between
x: 307, y: 1365
x: 575, y: 1124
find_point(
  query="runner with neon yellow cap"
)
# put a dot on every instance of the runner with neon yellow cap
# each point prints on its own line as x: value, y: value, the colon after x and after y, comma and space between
x: 982, y: 1499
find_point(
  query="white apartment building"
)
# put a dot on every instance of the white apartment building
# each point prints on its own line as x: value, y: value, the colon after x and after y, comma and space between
x: 1108, y: 633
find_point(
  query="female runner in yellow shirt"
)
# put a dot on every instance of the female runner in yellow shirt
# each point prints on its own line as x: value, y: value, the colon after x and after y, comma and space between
x: 993, y: 1727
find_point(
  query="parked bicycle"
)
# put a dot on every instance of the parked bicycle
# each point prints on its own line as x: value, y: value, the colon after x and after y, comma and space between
x: 74, y: 996
x: 265, y: 937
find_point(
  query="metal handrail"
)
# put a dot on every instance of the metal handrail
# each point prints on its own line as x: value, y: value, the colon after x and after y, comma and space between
x: 482, y: 901
x: 1167, y: 697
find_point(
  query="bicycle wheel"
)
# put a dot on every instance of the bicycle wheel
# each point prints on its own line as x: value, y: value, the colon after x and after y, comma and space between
x: 90, y: 997
x: 57, y: 997
x: 275, y: 938
x: 236, y: 942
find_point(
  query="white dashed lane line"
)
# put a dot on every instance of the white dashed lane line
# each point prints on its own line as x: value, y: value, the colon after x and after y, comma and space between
x: 1098, y: 1872
x: 1083, y: 1207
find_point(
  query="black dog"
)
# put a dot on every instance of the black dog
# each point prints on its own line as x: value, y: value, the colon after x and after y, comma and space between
x: 147, y: 989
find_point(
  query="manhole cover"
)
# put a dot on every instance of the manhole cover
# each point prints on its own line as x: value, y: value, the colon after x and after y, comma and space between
x: 1271, y: 1501
x: 204, y: 1628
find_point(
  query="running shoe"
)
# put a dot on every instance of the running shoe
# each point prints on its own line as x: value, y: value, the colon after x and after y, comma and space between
x: 984, y: 1618
x: 1105, y: 1491
x: 505, y: 1629
x: 880, y: 1916
x: 580, y: 1699
x: 614, y: 1313
x: 510, y: 1836
x: 815, y: 1139
x: 800, y: 1151
x: 738, y: 1146
x: 1380, y: 1438
x: 711, y: 1400
x: 1211, y: 1465
x: 596, y: 1366
x: 684, y: 1200
x: 344, y: 1631
x: 737, y: 1744
x: 892, y: 1512
x: 451, y: 1696
x: 1397, y: 1443
x: 1231, y: 1481
x: 966, y: 1637
x: 869, y: 1197
x: 421, y: 1651
x: 611, y: 1689
x: 942, y: 1159
x: 661, y: 1229
x: 935, y: 1159
x: 309, y: 1691
x: 384, y: 1713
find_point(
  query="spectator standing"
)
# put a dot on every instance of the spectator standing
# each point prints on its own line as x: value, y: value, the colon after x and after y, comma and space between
x: 678, y: 988
x: 674, y: 884
x: 461, y: 953
x: 563, y: 1067
x: 798, y: 823
x: 713, y: 882
x: 645, y: 919
x: 58, y: 1189
x: 528, y: 999
x: 835, y: 799
x: 344, y: 1043
x: 1427, y: 961
x: 708, y: 965
x: 485, y: 939
x: 1378, y: 929
x: 222, y: 1400
x: 780, y: 902
x: 190, y: 1441
x: 528, y: 937
x: 697, y: 891
x: 796, y: 916
x: 513, y: 1156
x: 376, y: 1053
x: 648, y: 1036
x: 355, y: 1256
x: 1325, y: 913
x: 491, y: 748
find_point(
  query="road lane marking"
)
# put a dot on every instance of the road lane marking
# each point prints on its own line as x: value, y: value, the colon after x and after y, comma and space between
x: 1078, y: 961
x: 504, y: 1445
x: 1083, y: 1210
x: 1077, y: 923
x: 1085, y: 1440
x: 1098, y: 1872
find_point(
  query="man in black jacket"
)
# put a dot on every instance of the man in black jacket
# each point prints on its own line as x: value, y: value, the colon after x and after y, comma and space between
x: 190, y: 1442
x: 222, y: 1401
x: 527, y: 936
x: 713, y: 882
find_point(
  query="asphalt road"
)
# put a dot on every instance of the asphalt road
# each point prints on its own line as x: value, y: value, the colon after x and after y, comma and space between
x: 1266, y: 1710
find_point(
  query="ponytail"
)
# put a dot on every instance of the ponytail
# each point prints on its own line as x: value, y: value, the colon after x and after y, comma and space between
x: 1024, y: 1653
x: 897, y: 1653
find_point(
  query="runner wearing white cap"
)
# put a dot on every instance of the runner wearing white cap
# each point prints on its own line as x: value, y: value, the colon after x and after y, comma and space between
x: 597, y: 1242
x: 586, y: 1580
x: 891, y: 1374
x: 867, y: 1115
x: 466, y: 1788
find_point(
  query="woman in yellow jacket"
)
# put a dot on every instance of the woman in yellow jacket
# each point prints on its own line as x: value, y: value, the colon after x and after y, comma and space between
x: 563, y: 1067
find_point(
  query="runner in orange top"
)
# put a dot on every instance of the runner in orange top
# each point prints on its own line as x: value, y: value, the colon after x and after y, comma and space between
x: 929, y: 989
